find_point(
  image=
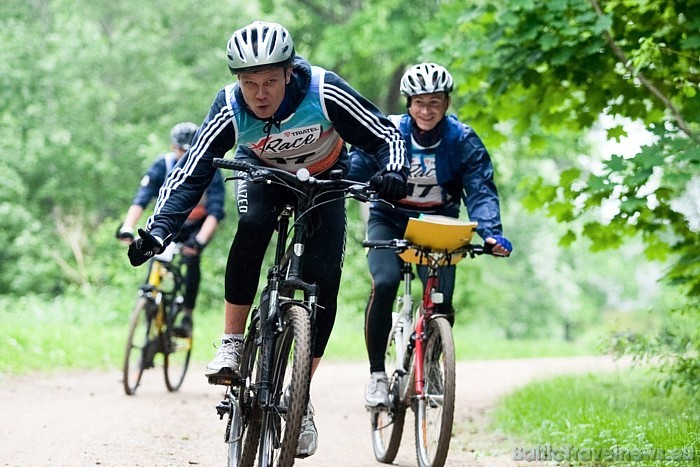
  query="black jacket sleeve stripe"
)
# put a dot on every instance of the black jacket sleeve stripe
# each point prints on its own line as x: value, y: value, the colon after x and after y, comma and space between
x: 370, y: 121
x: 206, y: 136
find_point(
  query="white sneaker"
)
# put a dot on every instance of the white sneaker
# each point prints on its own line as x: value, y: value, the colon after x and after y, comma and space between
x: 308, y: 437
x: 377, y: 392
x: 226, y: 363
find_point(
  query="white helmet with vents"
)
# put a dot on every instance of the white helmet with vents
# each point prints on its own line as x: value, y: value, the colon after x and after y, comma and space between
x: 258, y: 46
x: 426, y: 78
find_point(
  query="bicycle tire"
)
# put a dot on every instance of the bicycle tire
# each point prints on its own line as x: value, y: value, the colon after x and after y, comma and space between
x: 141, y: 344
x: 176, y: 355
x: 248, y: 409
x: 387, y: 425
x: 435, y: 411
x: 292, y: 369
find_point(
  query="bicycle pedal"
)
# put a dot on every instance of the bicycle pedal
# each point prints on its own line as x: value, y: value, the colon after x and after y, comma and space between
x: 223, y: 380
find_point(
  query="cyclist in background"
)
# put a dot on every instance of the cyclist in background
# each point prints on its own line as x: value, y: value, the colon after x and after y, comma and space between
x: 200, y: 225
x: 449, y: 164
x: 284, y: 113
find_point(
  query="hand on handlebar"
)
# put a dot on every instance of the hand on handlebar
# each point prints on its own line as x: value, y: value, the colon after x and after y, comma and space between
x: 391, y: 186
x: 192, y: 247
x: 125, y: 236
x: 144, y: 248
x: 498, y: 245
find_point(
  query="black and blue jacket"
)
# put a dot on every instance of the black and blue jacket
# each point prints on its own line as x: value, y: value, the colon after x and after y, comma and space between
x: 463, y: 170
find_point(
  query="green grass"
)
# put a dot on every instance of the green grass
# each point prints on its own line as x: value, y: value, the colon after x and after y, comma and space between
x: 620, y: 418
x: 473, y: 341
x: 88, y: 330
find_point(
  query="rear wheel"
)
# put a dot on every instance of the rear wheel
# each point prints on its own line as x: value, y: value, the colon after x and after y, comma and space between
x: 141, y: 345
x: 281, y: 424
x: 435, y: 410
x: 177, y: 355
x: 248, y: 410
x: 387, y: 425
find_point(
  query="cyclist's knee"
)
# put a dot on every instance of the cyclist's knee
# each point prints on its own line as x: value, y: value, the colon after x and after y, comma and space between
x: 385, y: 285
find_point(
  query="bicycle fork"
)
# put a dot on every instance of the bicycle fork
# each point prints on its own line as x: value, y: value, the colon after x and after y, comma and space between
x: 430, y: 298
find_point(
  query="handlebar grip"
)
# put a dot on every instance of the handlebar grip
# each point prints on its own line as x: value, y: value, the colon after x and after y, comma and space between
x: 232, y: 164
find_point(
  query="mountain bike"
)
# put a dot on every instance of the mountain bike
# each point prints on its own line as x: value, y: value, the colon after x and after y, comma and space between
x: 420, y: 353
x: 264, y: 409
x: 153, y: 330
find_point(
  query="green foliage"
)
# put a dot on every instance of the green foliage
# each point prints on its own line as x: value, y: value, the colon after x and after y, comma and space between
x: 553, y: 67
x: 89, y: 90
x: 622, y: 412
x: 88, y: 93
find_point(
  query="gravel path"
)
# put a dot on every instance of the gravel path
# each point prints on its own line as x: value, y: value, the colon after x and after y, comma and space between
x: 85, y: 419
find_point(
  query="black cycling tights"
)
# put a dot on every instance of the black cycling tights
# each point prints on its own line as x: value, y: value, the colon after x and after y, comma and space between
x: 385, y: 268
x: 258, y: 209
x: 192, y: 278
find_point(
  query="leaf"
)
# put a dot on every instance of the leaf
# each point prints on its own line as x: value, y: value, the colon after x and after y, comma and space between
x: 567, y: 239
x: 616, y: 133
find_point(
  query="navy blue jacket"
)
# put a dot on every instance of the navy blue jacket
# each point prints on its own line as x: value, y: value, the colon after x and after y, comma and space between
x: 463, y: 170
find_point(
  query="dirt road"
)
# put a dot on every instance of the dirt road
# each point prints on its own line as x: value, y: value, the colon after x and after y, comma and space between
x: 85, y: 419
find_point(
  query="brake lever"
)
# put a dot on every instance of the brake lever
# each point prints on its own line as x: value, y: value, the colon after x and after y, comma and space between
x: 381, y: 200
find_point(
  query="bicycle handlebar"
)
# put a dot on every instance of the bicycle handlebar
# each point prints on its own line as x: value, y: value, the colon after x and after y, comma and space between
x: 401, y: 245
x: 360, y: 191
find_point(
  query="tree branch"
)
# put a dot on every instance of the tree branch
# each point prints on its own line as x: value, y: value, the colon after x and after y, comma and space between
x: 680, y: 121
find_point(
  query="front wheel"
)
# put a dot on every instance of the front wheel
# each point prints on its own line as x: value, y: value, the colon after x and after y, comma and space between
x: 176, y: 355
x: 289, y: 392
x: 435, y: 409
x: 387, y: 425
x: 142, y: 343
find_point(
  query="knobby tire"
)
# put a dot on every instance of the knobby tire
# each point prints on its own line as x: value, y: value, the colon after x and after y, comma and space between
x: 292, y: 370
x: 248, y: 410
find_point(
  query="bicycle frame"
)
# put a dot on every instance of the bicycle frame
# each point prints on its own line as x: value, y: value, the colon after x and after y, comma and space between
x: 151, y: 330
x: 284, y: 280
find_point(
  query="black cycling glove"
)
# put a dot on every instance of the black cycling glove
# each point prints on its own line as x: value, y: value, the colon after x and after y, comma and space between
x: 391, y: 186
x: 195, y: 244
x: 144, y: 248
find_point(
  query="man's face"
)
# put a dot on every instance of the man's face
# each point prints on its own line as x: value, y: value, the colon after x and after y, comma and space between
x: 263, y: 91
x: 428, y: 109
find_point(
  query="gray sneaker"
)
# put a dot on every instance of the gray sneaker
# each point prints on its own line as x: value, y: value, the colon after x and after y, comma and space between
x: 225, y: 366
x: 308, y: 437
x: 377, y: 392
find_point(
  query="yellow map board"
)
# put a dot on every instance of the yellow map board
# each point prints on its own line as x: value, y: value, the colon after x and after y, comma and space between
x: 438, y: 233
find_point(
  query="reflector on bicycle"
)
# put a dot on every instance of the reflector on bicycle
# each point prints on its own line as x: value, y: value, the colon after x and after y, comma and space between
x: 438, y: 233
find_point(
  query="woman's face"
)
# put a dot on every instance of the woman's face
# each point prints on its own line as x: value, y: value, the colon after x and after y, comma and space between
x: 263, y: 91
x: 428, y: 109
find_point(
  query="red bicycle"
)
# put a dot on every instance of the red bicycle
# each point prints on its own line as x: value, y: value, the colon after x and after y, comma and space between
x: 420, y: 353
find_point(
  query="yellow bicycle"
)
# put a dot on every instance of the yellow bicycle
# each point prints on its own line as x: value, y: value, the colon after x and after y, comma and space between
x: 152, y: 330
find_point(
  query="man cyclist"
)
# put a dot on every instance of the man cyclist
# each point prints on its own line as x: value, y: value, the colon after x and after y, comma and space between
x: 449, y: 164
x: 284, y: 113
x: 198, y: 228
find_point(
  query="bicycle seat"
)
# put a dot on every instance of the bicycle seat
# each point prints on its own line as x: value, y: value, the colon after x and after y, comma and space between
x: 438, y: 234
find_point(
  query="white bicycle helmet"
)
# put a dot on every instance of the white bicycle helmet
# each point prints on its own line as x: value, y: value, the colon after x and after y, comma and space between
x: 258, y: 46
x: 426, y: 78
x: 181, y: 135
